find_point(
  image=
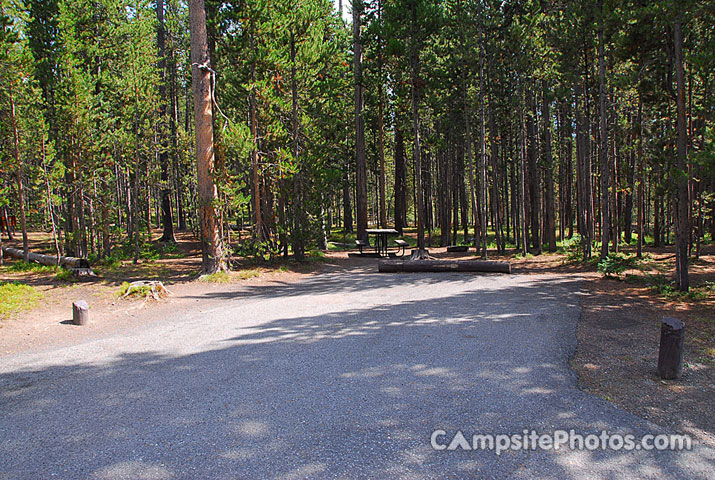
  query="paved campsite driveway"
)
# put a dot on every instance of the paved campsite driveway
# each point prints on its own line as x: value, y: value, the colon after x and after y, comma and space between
x: 338, y: 376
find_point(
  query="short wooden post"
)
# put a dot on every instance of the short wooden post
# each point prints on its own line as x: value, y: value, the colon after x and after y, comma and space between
x: 80, y: 313
x: 670, y: 357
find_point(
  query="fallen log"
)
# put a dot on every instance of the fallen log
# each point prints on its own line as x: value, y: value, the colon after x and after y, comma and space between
x: 395, y: 266
x: 69, y: 262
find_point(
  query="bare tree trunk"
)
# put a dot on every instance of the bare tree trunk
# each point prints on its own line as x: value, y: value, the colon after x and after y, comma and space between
x: 630, y: 180
x: 482, y: 150
x: 683, y: 224
x: 400, y: 182
x: 522, y: 174
x: 641, y: 181
x: 173, y: 123
x: 603, y: 149
x: 534, y: 173
x: 299, y: 223
x: 347, y: 207
x: 360, y: 165
x: 135, y: 193
x: 494, y: 159
x: 49, y: 204
x: 167, y: 220
x: 19, y: 174
x: 584, y: 178
x: 213, y: 259
x: 380, y: 120
x: 467, y: 123
x: 548, y: 171
x: 259, y: 230
x: 419, y: 192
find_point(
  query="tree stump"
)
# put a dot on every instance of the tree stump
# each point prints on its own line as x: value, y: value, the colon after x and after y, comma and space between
x: 80, y: 313
x: 670, y: 356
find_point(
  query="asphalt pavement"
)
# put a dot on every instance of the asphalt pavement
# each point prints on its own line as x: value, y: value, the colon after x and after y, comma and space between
x: 341, y: 375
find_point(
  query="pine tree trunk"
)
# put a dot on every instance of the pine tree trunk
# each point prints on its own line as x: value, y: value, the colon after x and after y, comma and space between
x: 212, y: 245
x: 347, y: 207
x: 467, y: 124
x: 360, y: 165
x: 603, y: 148
x: 381, y: 122
x: 630, y: 180
x: 173, y: 127
x: 167, y: 220
x: 682, y: 204
x: 400, y: 182
x: 419, y: 191
x: 534, y: 173
x: 641, y: 182
x: 299, y: 223
x: 19, y: 172
x: 259, y: 230
x: 481, y: 165
x: 550, y: 223
x: 522, y: 176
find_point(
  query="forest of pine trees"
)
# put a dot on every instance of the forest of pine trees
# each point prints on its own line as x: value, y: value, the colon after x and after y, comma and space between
x: 509, y: 125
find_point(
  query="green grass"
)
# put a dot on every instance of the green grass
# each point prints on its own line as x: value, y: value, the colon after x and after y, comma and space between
x: 16, y: 297
x: 228, y: 277
x: 61, y: 274
x: 218, y: 277
x: 315, y: 255
x: 23, y: 266
x: 65, y: 275
x: 246, y: 274
x: 140, y: 292
x: 666, y: 287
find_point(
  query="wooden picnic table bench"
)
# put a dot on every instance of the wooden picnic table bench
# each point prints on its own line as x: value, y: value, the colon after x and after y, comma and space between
x: 360, y: 244
x: 403, y: 245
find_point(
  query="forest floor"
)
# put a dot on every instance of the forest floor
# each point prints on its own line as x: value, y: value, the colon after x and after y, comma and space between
x: 618, y: 333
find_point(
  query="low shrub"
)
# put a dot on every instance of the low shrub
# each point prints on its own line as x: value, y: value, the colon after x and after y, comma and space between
x: 616, y: 263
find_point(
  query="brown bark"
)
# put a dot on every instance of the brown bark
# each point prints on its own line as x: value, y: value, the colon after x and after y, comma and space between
x: 641, y: 182
x: 259, y: 230
x: 467, y: 123
x: 522, y: 176
x: 299, y: 223
x: 584, y: 178
x: 19, y: 176
x: 381, y: 122
x: 482, y: 150
x: 534, y: 174
x: 550, y: 222
x: 682, y: 204
x: 603, y: 148
x: 400, y: 182
x: 419, y: 192
x: 360, y: 165
x: 167, y: 220
x: 212, y: 246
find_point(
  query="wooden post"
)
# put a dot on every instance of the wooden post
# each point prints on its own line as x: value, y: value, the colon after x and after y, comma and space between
x: 670, y: 357
x: 80, y: 313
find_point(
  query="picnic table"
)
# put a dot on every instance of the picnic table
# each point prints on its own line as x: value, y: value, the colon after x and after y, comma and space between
x: 381, y: 235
